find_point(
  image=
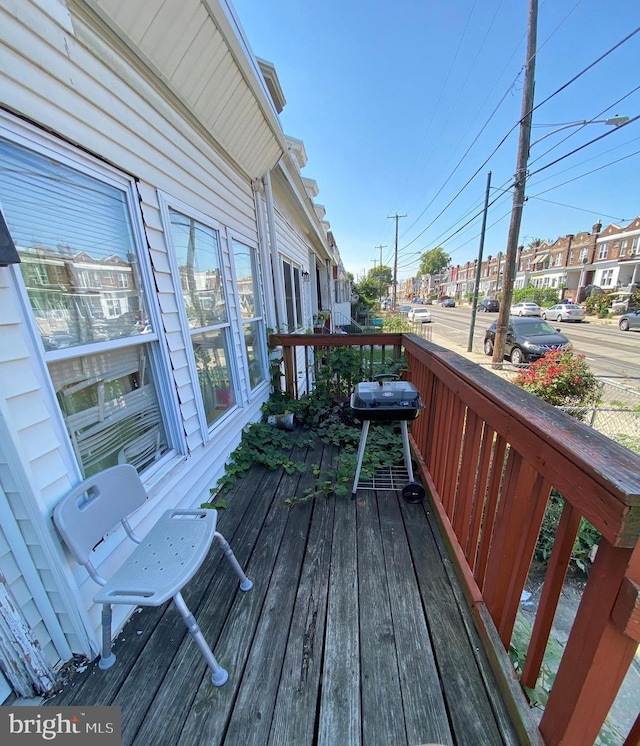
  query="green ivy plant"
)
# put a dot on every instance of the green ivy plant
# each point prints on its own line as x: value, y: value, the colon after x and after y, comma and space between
x: 325, y: 414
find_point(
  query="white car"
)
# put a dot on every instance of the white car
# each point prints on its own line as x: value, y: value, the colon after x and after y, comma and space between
x: 419, y: 315
x: 563, y: 312
x: 525, y: 309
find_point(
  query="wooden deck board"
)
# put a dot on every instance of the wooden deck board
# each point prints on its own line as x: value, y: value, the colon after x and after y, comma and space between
x: 354, y: 633
x: 425, y: 710
x: 381, y: 696
x: 294, y: 719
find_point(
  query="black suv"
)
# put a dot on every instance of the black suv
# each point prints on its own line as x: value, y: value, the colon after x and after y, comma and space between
x: 489, y: 304
x: 528, y: 338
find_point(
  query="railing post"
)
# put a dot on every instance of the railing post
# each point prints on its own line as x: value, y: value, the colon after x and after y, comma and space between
x: 596, y: 658
x: 288, y: 355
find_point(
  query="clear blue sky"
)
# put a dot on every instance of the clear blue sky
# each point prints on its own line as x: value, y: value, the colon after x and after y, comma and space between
x: 400, y: 103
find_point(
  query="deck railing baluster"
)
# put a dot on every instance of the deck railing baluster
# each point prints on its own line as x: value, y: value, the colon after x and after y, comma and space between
x: 490, y: 455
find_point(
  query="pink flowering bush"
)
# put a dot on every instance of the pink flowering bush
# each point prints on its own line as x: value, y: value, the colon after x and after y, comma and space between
x: 561, y: 378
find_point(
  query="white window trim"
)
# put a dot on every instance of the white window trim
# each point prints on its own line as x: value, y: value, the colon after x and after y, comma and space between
x: 47, y: 145
x: 167, y: 203
x: 252, y: 244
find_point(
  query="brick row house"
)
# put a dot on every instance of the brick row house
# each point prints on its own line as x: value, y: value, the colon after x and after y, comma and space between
x: 608, y: 258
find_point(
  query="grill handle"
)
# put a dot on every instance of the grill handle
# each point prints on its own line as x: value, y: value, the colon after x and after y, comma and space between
x: 382, y: 377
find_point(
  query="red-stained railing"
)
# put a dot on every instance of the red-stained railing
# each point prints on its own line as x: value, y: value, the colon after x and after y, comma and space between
x: 490, y: 454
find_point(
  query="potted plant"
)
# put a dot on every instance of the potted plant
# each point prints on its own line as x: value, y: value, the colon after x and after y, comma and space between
x: 321, y: 322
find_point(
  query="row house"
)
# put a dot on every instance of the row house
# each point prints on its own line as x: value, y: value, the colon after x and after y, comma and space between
x: 609, y: 259
x: 156, y: 225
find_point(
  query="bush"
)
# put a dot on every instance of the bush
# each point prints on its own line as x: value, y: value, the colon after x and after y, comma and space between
x: 564, y: 379
x: 597, y: 304
x: 561, y: 378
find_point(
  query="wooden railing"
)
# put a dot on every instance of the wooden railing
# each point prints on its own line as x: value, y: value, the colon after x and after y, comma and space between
x: 490, y: 453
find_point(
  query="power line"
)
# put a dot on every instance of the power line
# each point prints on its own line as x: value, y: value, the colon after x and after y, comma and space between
x: 525, y: 115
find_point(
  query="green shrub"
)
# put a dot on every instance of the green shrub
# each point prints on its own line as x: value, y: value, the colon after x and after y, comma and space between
x: 561, y: 378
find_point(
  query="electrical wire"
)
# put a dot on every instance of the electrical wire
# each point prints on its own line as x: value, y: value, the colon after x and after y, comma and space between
x: 534, y: 108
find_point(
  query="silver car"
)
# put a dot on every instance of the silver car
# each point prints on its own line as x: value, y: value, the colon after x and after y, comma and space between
x: 419, y: 315
x: 563, y: 312
x: 630, y: 320
x: 525, y: 309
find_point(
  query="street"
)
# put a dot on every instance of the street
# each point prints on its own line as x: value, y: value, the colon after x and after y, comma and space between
x: 608, y: 351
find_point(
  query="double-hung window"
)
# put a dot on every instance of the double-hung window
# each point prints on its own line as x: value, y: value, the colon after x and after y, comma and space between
x: 198, y: 255
x: 293, y: 295
x: 250, y: 300
x: 75, y: 230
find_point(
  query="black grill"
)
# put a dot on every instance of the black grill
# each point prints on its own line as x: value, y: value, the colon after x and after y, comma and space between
x: 388, y: 401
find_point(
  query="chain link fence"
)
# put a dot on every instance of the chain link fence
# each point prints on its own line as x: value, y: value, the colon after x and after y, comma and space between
x: 617, y: 414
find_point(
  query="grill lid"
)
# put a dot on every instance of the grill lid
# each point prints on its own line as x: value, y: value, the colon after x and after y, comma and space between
x: 386, y: 399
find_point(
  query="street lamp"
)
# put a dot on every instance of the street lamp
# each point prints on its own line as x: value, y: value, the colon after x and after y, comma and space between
x: 612, y: 121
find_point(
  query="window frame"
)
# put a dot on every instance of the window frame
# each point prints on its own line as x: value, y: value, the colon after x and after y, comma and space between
x: 233, y: 236
x: 168, y: 204
x: 46, y: 145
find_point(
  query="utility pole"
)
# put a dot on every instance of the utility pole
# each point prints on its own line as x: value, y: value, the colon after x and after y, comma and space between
x: 524, y: 142
x: 474, y: 305
x: 395, y: 217
x: 380, y: 282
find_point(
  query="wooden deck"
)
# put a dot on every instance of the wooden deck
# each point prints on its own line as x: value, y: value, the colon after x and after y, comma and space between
x: 355, y: 632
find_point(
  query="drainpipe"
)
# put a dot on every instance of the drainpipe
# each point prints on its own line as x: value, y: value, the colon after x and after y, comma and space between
x: 278, y: 282
x: 265, y: 255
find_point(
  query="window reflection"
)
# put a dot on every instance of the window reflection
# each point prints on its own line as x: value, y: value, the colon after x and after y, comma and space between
x: 73, y: 234
x: 198, y: 254
x: 212, y: 363
x: 110, y: 408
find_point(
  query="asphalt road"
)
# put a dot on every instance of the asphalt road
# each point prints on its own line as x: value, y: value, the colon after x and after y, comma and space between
x: 608, y: 351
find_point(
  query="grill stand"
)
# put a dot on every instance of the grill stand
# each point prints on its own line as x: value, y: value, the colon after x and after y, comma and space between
x: 363, y: 442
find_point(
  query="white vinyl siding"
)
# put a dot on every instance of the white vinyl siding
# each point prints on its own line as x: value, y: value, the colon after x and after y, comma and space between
x: 77, y: 83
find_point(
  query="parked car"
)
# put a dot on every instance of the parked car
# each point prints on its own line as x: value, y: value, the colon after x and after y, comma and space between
x: 527, y: 339
x: 630, y: 320
x: 448, y: 303
x: 525, y: 309
x: 563, y: 312
x: 419, y: 315
x: 489, y: 305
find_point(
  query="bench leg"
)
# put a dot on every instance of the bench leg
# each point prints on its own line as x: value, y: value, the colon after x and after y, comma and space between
x: 107, y: 657
x: 245, y: 583
x: 218, y: 674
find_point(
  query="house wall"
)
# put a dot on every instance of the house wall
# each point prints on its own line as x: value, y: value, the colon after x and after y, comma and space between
x: 67, y: 75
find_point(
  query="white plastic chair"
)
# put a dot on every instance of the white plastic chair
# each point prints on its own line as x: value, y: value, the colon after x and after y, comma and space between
x: 159, y: 567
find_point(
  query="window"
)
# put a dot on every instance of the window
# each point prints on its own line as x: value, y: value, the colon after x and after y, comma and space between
x: 635, y: 245
x: 69, y: 228
x: 623, y: 246
x: 607, y: 278
x: 571, y: 257
x: 197, y: 251
x: 584, y: 252
x: 604, y: 250
x: 293, y: 296
x: 246, y: 266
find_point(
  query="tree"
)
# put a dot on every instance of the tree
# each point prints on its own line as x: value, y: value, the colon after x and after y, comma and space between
x: 383, y: 275
x: 432, y: 262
